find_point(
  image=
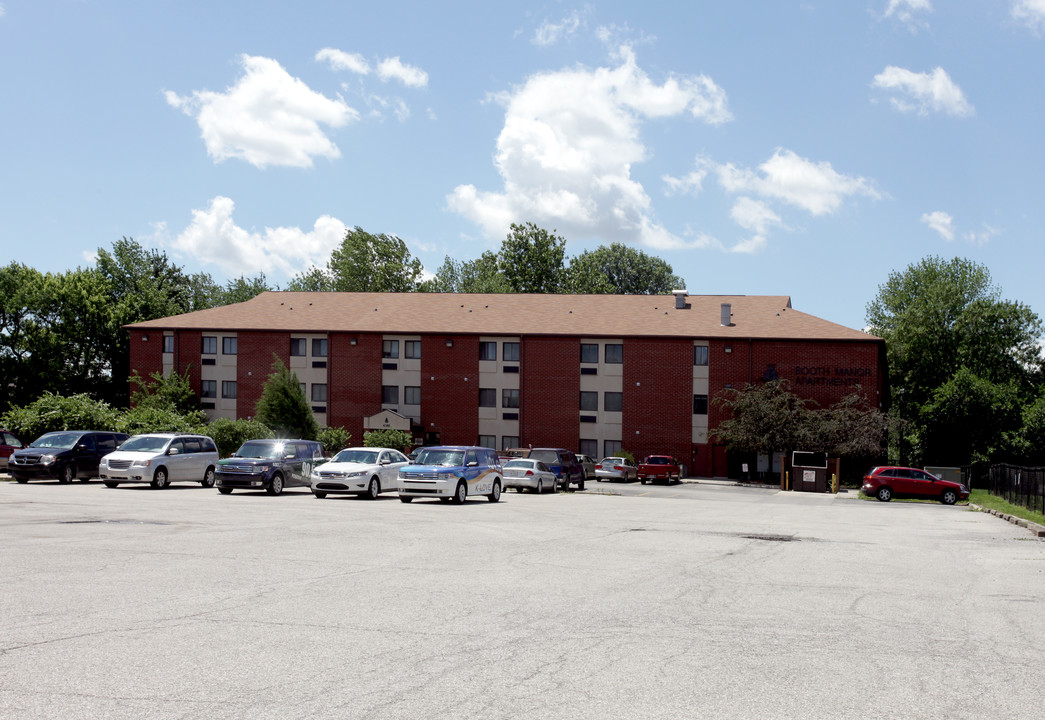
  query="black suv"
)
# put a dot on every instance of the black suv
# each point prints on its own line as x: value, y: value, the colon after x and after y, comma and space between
x: 65, y: 455
x: 269, y: 465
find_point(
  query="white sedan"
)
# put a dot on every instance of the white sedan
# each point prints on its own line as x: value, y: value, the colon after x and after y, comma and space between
x: 525, y: 473
x: 367, y: 471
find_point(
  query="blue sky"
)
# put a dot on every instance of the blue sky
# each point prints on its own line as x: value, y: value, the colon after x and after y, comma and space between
x: 796, y: 148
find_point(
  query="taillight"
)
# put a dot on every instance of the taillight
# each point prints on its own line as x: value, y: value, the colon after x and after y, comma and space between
x: 529, y: 472
x: 617, y: 467
x: 599, y: 466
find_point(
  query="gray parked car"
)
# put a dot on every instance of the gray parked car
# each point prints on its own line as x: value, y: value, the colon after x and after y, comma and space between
x: 615, y: 468
x: 160, y: 459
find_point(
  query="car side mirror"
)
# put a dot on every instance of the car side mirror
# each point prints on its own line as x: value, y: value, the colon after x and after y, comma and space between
x: 474, y: 463
x: 174, y: 451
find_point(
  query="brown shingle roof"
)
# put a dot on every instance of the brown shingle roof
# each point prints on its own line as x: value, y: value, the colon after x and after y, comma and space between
x: 754, y: 316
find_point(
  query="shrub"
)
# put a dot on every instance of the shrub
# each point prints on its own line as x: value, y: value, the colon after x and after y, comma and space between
x: 627, y: 456
x: 284, y: 407
x: 230, y: 434
x: 51, y: 412
x: 149, y: 419
x: 395, y: 439
x: 334, y: 439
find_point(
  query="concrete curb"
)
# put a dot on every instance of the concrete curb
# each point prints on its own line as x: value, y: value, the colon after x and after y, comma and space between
x: 1036, y: 529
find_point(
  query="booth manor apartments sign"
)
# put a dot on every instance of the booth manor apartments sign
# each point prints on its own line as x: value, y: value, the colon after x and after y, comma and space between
x: 821, y: 375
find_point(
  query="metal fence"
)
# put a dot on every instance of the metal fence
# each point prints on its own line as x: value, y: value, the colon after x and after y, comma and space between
x: 1019, y: 485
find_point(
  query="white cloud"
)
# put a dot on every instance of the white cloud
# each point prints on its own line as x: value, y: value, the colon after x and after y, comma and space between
x: 906, y: 12
x: 689, y: 184
x: 941, y: 222
x: 569, y: 141
x: 266, y: 118
x: 396, y: 69
x: 213, y: 237
x: 982, y: 237
x: 1030, y: 13
x: 2, y: 10
x: 923, y: 92
x: 753, y: 215
x: 341, y: 60
x: 815, y: 187
x: 550, y: 33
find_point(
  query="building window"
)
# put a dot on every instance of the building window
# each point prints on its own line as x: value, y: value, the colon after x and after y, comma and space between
x: 611, y: 448
x: 700, y: 404
x: 319, y: 347
x: 615, y: 354
x: 228, y: 389
x: 319, y: 392
x: 390, y: 349
x: 487, y: 397
x: 412, y: 395
x: 613, y: 402
x: 700, y: 354
x: 589, y: 401
x: 298, y: 347
x: 487, y: 351
x: 168, y: 343
x: 412, y: 349
x: 488, y: 441
x: 509, y: 398
x: 589, y: 447
x: 304, y: 389
x: 509, y: 441
x: 210, y: 345
x: 208, y: 388
x: 510, y: 351
x: 389, y: 394
x: 589, y: 353
x: 228, y: 345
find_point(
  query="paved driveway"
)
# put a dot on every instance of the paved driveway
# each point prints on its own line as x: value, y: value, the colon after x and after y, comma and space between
x: 180, y: 603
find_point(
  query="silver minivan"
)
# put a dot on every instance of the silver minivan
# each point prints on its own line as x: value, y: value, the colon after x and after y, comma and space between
x: 160, y: 459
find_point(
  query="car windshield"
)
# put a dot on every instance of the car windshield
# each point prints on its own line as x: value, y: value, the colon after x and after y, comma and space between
x: 657, y: 461
x: 519, y: 464
x: 56, y: 441
x: 145, y: 443
x: 263, y: 450
x: 545, y: 456
x: 367, y: 457
x: 430, y: 456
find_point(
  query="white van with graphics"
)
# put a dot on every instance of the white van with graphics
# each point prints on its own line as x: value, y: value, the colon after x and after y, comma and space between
x: 452, y: 472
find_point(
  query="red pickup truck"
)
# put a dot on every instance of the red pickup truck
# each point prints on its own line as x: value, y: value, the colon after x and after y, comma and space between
x: 660, y: 467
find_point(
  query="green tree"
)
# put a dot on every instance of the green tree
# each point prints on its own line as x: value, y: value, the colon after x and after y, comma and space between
x: 482, y: 275
x: 172, y: 391
x: 313, y: 280
x: 373, y: 263
x: 243, y: 288
x: 531, y: 259
x: 621, y: 270
x: 283, y: 405
x: 395, y: 439
x: 30, y: 356
x: 939, y: 317
x: 764, y: 418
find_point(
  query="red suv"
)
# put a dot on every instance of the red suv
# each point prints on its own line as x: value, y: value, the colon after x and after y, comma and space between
x: 8, y: 444
x: 885, y: 483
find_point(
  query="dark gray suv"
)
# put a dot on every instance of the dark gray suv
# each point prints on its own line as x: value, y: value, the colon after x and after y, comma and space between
x: 269, y: 465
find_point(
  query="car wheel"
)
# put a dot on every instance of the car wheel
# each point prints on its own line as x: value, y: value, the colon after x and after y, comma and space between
x: 496, y: 494
x: 159, y: 480
x: 319, y: 494
x: 405, y: 498
x: 598, y: 479
x: 540, y: 486
x: 884, y: 494
x: 642, y: 480
x: 519, y: 488
x: 276, y: 486
x: 580, y: 485
x: 373, y: 489
x: 462, y: 493
x: 111, y: 484
x: 225, y: 491
x: 208, y: 478
x: 68, y: 474
x: 949, y: 497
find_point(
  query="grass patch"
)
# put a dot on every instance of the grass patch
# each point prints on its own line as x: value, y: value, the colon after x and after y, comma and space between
x: 993, y: 502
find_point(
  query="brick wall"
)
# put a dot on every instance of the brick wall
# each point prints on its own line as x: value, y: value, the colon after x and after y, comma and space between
x: 549, y: 393
x: 187, y: 347
x: 254, y: 358
x: 450, y: 388
x: 354, y: 381
x: 658, y: 398
x: 146, y: 353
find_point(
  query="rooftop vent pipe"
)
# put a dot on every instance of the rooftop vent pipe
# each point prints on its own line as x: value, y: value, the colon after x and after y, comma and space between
x: 680, y: 299
x: 727, y: 315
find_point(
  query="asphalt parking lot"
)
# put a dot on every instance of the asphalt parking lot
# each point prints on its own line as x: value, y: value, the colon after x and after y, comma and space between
x: 735, y: 603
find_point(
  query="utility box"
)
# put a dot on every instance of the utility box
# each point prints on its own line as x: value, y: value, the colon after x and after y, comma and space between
x: 808, y: 472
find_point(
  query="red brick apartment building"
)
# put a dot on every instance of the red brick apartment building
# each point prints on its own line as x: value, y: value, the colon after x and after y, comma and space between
x: 592, y: 373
